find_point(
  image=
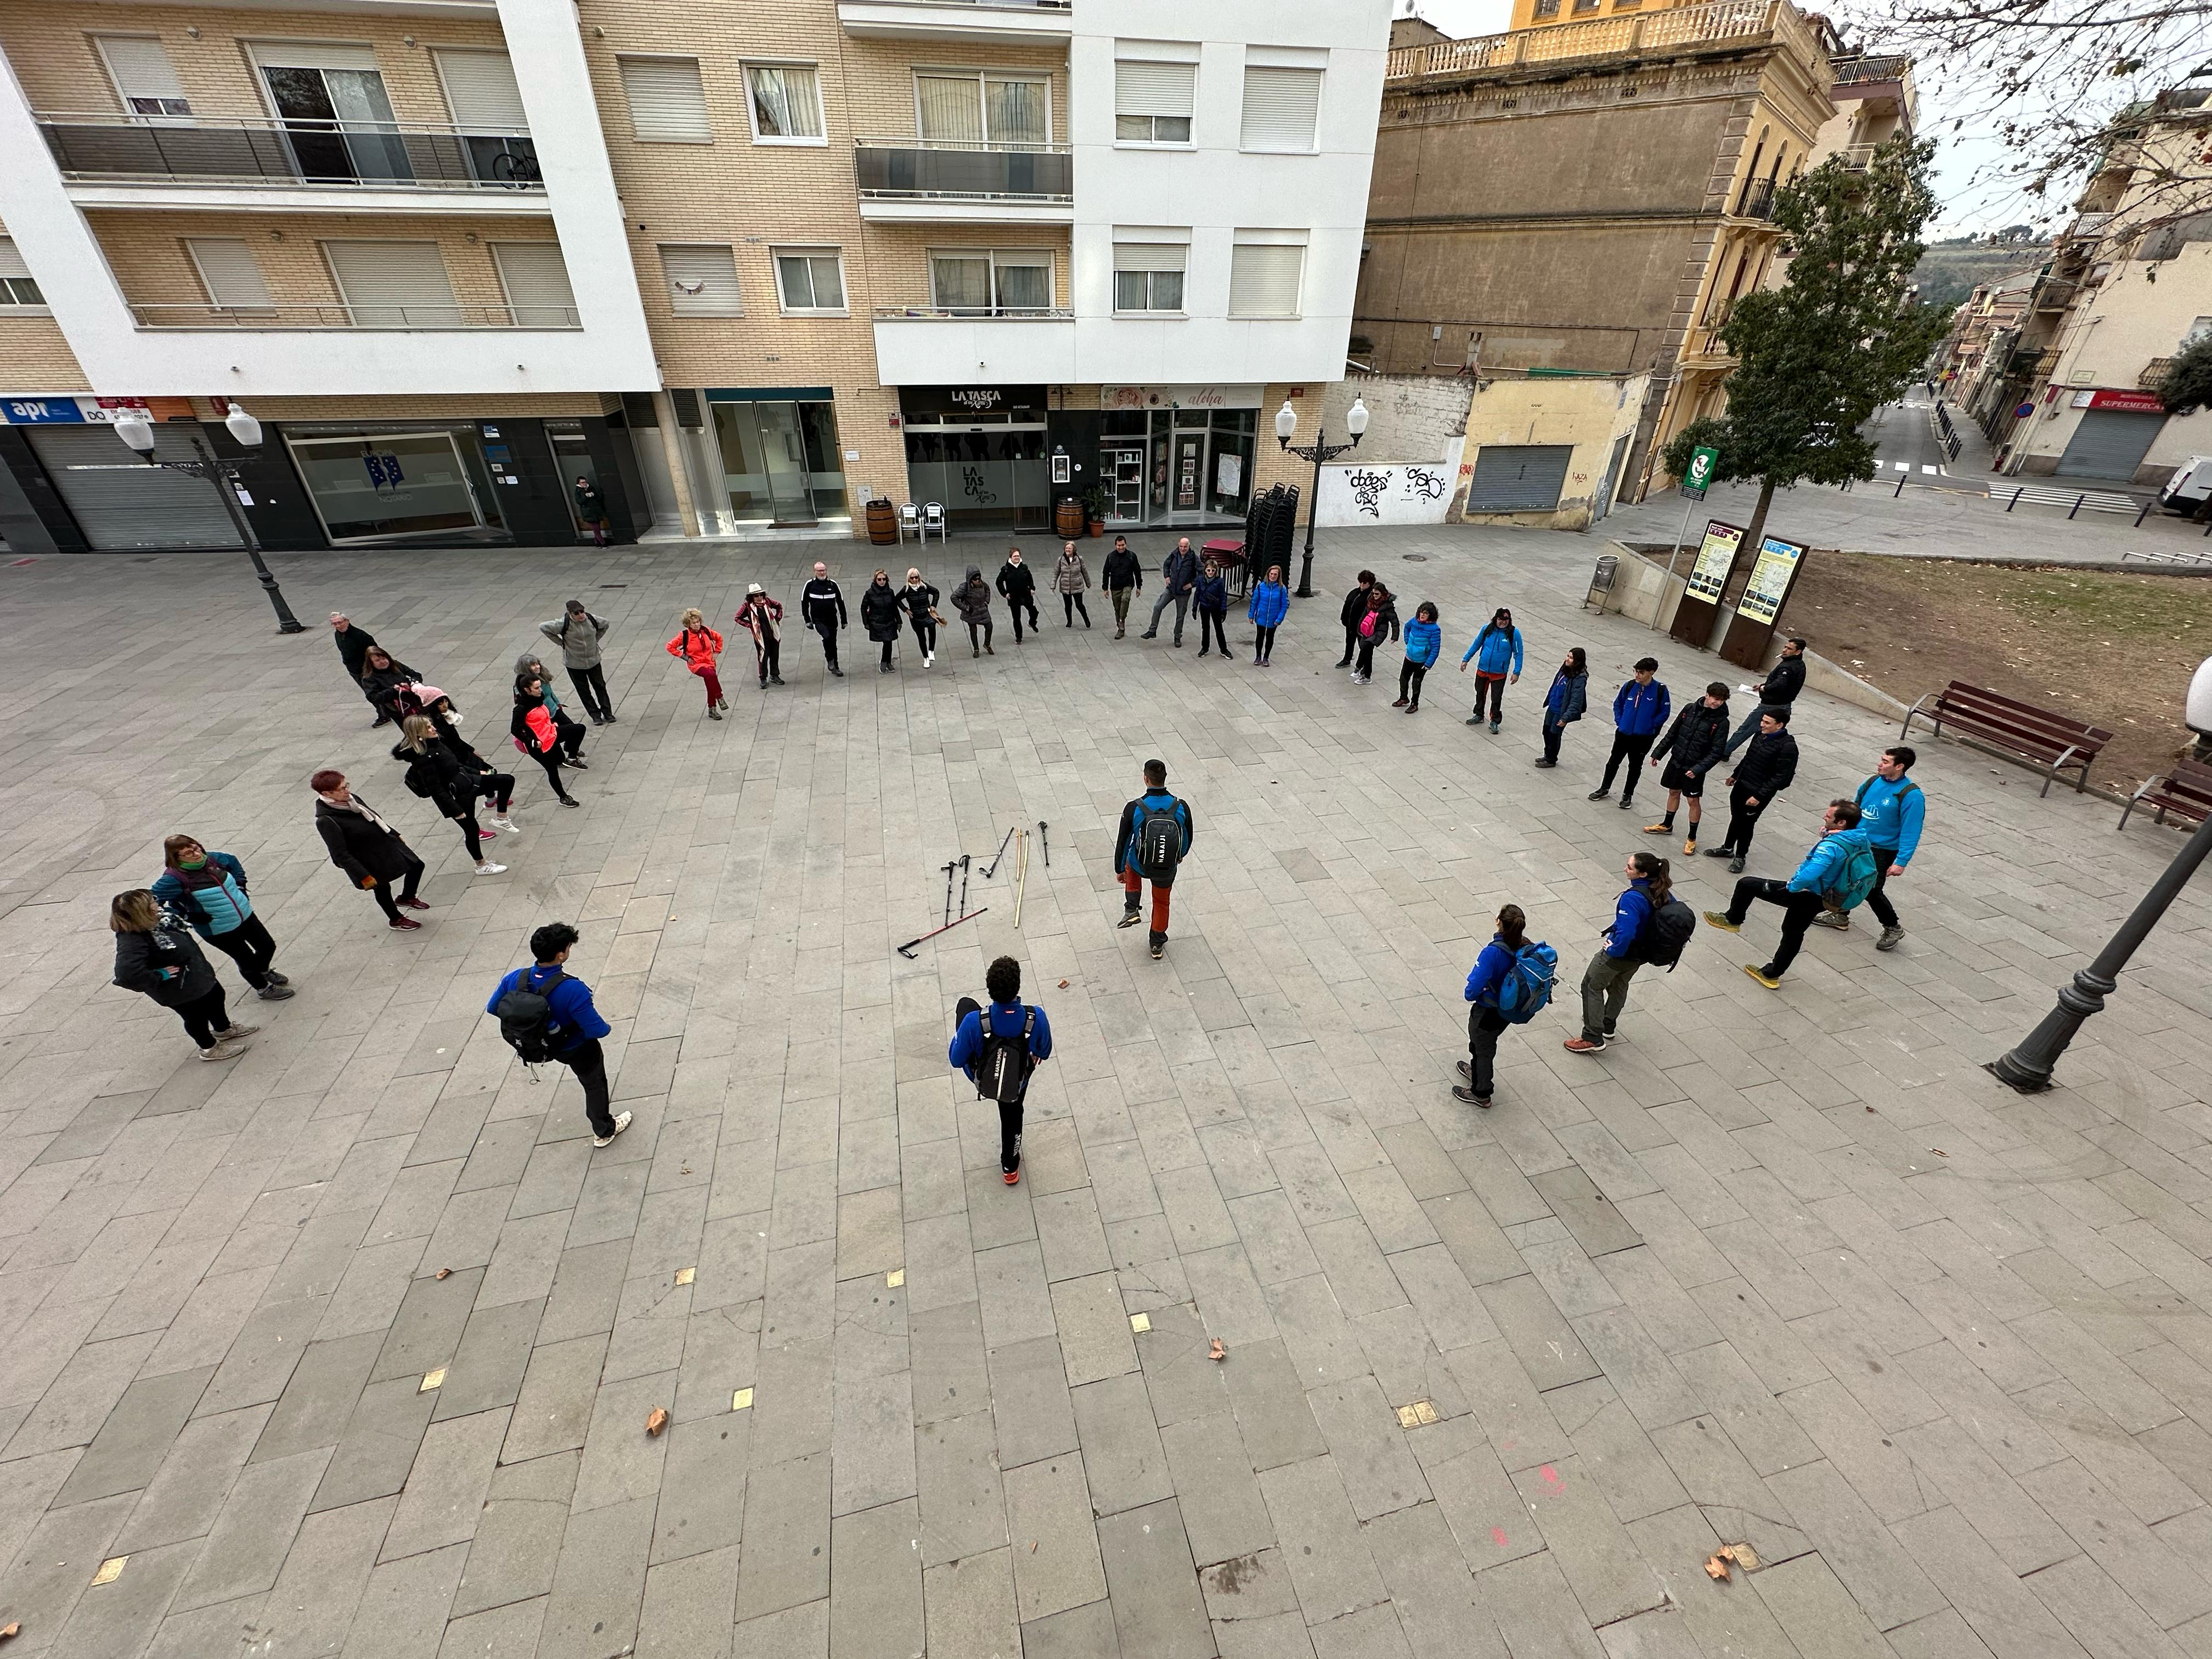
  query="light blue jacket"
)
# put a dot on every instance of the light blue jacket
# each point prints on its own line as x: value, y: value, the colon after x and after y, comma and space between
x: 224, y: 904
x: 1495, y: 651
x: 1826, y: 861
x: 1271, y: 603
x: 1891, y: 814
x: 1424, y: 641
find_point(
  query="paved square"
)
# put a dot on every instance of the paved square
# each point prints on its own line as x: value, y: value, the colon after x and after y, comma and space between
x: 347, y: 1347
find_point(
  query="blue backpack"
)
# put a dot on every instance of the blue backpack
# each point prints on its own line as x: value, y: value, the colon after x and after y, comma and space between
x: 1527, y: 986
x: 1853, y: 881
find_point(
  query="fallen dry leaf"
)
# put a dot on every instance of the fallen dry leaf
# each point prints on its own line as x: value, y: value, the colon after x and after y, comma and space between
x: 1716, y: 1568
x: 1216, y: 1351
x: 1063, y: 985
x: 657, y: 1421
x: 1939, y: 1152
x: 1742, y: 1554
x: 9, y: 1629
x: 444, y: 1273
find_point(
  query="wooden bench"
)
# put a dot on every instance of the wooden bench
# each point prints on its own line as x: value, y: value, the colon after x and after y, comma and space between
x: 2186, y: 792
x: 2051, y: 743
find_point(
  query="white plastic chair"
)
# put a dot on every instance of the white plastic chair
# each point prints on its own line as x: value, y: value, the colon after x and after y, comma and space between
x: 909, y: 517
x: 932, y: 518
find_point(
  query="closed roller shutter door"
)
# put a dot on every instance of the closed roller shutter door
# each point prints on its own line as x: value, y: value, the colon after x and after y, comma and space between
x: 481, y: 92
x: 667, y: 103
x: 1154, y: 88
x: 1282, y: 107
x: 1263, y: 280
x: 394, y: 284
x: 122, y: 504
x: 536, y: 279
x: 1518, y: 477
x: 2110, y: 443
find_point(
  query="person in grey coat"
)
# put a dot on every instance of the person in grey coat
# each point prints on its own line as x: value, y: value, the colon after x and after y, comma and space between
x: 578, y: 633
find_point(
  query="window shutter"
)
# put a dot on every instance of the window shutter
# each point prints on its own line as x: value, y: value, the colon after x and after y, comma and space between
x: 229, y: 272
x: 1151, y: 256
x: 394, y: 284
x: 1518, y: 477
x: 667, y: 101
x: 1282, y: 108
x: 11, y: 263
x: 480, y: 90
x: 703, y: 280
x: 1154, y: 88
x: 536, y: 279
x: 314, y: 55
x: 1263, y: 280
x: 141, y: 69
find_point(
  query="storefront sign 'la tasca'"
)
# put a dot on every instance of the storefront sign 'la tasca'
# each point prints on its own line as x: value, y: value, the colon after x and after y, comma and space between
x: 1700, y: 476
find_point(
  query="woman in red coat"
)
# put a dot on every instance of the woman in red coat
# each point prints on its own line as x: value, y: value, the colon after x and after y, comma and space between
x: 698, y: 646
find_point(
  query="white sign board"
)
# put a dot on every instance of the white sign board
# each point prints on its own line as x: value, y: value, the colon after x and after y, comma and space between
x: 1407, y: 492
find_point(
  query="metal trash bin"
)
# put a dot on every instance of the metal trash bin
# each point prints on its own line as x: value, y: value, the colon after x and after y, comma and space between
x: 1601, y: 580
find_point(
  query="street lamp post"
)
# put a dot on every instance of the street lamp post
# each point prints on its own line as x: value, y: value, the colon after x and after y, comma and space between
x: 1321, y: 450
x: 135, y: 430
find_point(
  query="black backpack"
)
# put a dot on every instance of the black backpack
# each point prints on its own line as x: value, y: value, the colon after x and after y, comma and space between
x: 1159, y: 840
x: 525, y: 1018
x: 1662, y: 940
x: 1003, y: 1068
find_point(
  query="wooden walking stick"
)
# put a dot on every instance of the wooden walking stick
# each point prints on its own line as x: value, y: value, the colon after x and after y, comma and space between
x: 1021, y: 874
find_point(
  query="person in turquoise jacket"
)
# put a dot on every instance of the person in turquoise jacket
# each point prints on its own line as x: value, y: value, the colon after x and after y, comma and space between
x: 208, y: 890
x: 1803, y: 895
x: 1271, y: 604
x: 1496, y: 654
x: 1894, y: 811
x: 1425, y: 642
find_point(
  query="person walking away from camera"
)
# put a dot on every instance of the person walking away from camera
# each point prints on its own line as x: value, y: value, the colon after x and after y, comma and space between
x: 208, y: 890
x: 591, y: 510
x: 1631, y: 941
x: 1211, y: 596
x: 1270, y: 605
x: 1000, y: 1048
x: 822, y: 604
x: 1151, y: 845
x: 1425, y: 642
x: 388, y: 683
x: 578, y: 633
x: 1564, y: 703
x: 352, y: 645
x: 1769, y: 766
x: 1640, y: 709
x: 1378, y: 626
x: 1017, y: 583
x: 762, y: 618
x: 1778, y: 689
x: 372, y: 853
x: 1123, y: 578
x: 434, y: 774
x: 547, y: 1017
x: 972, y: 599
x: 879, y: 615
x: 1497, y: 654
x: 1178, y: 577
x: 538, y: 735
x: 1891, y: 813
x: 919, y: 600
x: 1837, y: 873
x: 698, y: 647
x: 1070, y: 577
x: 156, y: 956
x: 1351, y: 613
x: 1487, y: 991
x: 494, y: 786
x: 1693, y: 745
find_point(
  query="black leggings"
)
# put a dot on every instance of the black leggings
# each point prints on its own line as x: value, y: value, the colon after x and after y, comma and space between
x: 925, y: 634
x: 1410, y: 676
x: 1351, y: 644
x: 1071, y: 603
x: 203, y: 1016
x: 1263, y: 642
x: 1798, y: 910
x: 768, y: 661
x: 973, y: 643
x: 1365, y: 664
x: 471, y: 832
x: 1494, y: 691
x: 887, y: 645
x: 383, y: 892
x: 498, y: 788
x: 552, y: 765
x: 1210, y: 627
x: 249, y: 946
x: 1878, y: 900
x: 590, y: 685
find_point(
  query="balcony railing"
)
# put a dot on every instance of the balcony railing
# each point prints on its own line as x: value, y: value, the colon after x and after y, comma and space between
x: 2055, y: 294
x: 971, y: 313
x: 1602, y: 37
x: 1858, y: 158
x: 928, y: 169
x: 102, y: 149
x: 2153, y: 374
x: 418, y: 318
x: 1856, y: 71
x: 1757, y: 200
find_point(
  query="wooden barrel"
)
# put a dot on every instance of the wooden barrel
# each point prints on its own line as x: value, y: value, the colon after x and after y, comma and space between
x: 1068, y: 518
x: 883, y: 521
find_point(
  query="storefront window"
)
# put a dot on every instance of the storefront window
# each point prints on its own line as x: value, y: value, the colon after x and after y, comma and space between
x: 980, y: 451
x: 369, y: 485
x: 780, y: 459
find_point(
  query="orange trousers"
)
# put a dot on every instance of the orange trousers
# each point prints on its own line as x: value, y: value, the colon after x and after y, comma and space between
x: 1132, y: 884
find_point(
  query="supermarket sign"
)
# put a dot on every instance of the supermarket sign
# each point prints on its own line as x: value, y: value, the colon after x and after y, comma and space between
x: 2127, y: 402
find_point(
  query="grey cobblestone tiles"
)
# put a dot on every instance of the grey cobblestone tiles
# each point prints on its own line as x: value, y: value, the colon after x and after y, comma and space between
x: 1782, y: 1268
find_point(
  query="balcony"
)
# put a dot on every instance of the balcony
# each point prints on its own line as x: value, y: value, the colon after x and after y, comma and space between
x: 1011, y: 22
x: 109, y: 160
x: 1858, y: 158
x: 937, y: 181
x: 1725, y: 24
x: 412, y: 319
x: 1757, y: 200
x: 1860, y: 71
x: 2153, y: 374
x: 972, y: 313
x: 940, y: 345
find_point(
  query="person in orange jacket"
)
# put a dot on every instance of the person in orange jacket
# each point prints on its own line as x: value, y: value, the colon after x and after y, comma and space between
x: 698, y: 646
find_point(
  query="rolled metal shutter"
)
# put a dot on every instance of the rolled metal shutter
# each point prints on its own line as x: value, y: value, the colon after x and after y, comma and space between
x: 2110, y: 443
x: 1282, y: 108
x: 667, y: 100
x: 480, y: 90
x: 123, y: 505
x: 536, y: 279
x: 1155, y: 89
x: 1518, y: 477
x: 394, y: 284
x: 1264, y: 279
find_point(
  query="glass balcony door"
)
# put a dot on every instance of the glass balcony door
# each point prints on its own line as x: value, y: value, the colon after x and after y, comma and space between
x: 339, y: 124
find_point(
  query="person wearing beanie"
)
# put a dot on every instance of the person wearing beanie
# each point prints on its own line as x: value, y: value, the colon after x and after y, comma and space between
x: 972, y: 599
x: 763, y: 617
x: 578, y: 633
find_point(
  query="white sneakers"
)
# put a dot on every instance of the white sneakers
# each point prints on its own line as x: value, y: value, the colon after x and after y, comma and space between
x: 224, y: 1051
x: 621, y: 1122
x: 490, y: 869
x: 505, y: 824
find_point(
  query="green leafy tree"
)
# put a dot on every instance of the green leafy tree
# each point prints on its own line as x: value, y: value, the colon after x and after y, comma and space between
x: 1816, y: 357
x: 2187, y: 385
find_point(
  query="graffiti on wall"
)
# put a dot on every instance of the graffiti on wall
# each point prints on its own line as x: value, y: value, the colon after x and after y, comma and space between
x: 1413, y: 492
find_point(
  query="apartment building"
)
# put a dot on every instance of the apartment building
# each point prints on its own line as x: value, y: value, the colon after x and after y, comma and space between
x: 742, y: 268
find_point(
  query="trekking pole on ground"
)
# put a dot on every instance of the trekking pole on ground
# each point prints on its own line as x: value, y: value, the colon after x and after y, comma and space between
x: 950, y: 866
x: 996, y: 856
x: 1021, y: 876
x: 1044, y: 834
x: 907, y: 949
x: 963, y: 883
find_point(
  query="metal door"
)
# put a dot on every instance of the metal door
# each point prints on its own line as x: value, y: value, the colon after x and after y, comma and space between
x: 122, y: 504
x: 1603, y: 504
x: 2110, y: 443
x: 1518, y: 477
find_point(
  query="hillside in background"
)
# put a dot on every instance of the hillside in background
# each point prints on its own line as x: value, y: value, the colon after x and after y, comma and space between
x: 1949, y: 271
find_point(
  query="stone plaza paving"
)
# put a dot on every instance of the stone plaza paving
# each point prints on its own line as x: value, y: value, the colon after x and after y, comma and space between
x: 347, y: 1347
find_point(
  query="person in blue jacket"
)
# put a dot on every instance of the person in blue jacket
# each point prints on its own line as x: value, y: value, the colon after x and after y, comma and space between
x: 577, y: 1025
x: 1565, y: 702
x: 1484, y: 1022
x: 1425, y: 642
x: 1496, y: 654
x: 1008, y: 1015
x: 1892, y: 810
x: 1155, y: 801
x: 1605, y: 981
x: 1803, y: 896
x: 208, y: 890
x: 1212, y: 606
x: 1640, y: 709
x: 1271, y: 604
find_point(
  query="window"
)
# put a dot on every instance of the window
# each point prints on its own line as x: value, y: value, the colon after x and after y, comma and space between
x: 1148, y: 276
x: 810, y: 280
x: 536, y: 279
x: 338, y: 116
x: 16, y: 286
x: 991, y: 282
x: 1282, y: 108
x: 144, y: 78
x: 1265, y: 269
x: 785, y: 100
x: 667, y: 103
x: 983, y: 109
x: 703, y: 280
x: 393, y: 284
x: 1153, y: 102
x: 229, y: 272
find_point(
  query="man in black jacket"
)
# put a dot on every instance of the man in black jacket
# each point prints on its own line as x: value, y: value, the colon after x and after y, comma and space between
x: 1179, y: 571
x: 1778, y: 690
x: 1355, y: 607
x: 1693, y: 745
x: 823, y: 604
x: 1016, y: 584
x: 352, y: 645
x: 1768, y: 767
x: 1122, y: 576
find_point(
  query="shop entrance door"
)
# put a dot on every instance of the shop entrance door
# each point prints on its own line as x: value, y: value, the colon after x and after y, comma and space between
x: 1125, y: 474
x: 387, y: 484
x: 1187, y: 484
x: 784, y: 452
